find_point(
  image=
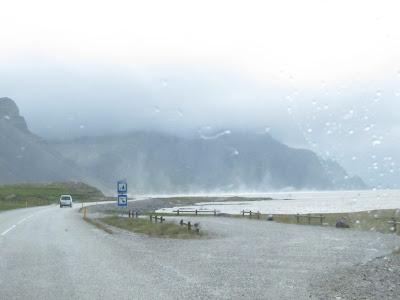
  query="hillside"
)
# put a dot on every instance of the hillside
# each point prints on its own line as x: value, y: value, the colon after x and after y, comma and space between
x: 25, y: 157
x: 160, y: 163
x: 155, y: 162
x: 36, y: 194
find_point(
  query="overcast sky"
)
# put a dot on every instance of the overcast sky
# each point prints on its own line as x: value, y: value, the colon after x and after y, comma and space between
x: 323, y: 75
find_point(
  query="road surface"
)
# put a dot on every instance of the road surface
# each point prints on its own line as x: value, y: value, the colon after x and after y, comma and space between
x: 51, y: 253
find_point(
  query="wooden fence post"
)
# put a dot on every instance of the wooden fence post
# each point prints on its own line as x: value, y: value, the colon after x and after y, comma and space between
x: 250, y: 214
x: 298, y: 218
x: 129, y: 213
x: 215, y: 212
x: 394, y: 225
x: 177, y: 212
x: 189, y: 226
x: 196, y: 212
x: 321, y: 220
x: 309, y: 219
x: 258, y: 215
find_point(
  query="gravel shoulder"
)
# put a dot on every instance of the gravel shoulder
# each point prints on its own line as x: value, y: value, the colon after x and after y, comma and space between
x: 377, y: 279
x: 267, y: 260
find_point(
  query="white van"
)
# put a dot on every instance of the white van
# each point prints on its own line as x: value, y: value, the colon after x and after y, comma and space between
x: 65, y: 200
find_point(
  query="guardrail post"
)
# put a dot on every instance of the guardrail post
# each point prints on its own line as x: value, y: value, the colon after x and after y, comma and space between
x: 394, y: 225
x: 151, y: 218
x: 177, y: 212
x: 189, y: 226
x: 129, y: 214
x: 258, y: 215
x: 215, y: 212
x: 309, y: 219
x: 321, y: 220
x: 243, y: 213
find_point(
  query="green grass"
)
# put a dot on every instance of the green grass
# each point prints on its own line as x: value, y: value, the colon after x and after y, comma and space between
x: 159, y: 230
x: 374, y: 220
x: 38, y: 194
x: 98, y: 225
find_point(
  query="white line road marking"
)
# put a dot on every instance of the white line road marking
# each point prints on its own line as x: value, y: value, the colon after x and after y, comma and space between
x: 5, y: 232
x: 12, y: 227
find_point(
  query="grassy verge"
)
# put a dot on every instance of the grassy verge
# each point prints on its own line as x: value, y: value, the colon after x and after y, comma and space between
x: 160, y: 230
x: 125, y: 212
x: 38, y: 194
x: 98, y: 225
x: 374, y: 220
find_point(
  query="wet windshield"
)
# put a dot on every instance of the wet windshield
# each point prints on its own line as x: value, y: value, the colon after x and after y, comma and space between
x: 217, y: 149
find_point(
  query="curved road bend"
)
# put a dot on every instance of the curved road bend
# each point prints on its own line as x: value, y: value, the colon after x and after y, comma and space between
x: 51, y: 253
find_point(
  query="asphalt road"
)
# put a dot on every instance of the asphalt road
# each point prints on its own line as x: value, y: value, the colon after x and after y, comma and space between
x: 51, y: 253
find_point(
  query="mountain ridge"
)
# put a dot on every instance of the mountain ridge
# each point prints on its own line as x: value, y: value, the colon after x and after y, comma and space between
x: 161, y: 163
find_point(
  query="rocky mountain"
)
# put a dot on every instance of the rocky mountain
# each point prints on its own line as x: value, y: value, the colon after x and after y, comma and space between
x: 160, y: 163
x: 25, y: 157
x: 154, y: 162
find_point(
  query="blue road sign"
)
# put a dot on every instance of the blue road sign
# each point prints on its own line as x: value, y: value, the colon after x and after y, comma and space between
x: 122, y: 200
x: 122, y: 187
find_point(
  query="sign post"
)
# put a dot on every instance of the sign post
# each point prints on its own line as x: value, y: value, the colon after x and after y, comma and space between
x: 122, y: 191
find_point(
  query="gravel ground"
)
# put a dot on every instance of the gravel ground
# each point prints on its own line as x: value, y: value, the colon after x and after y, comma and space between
x: 377, y: 279
x: 267, y: 260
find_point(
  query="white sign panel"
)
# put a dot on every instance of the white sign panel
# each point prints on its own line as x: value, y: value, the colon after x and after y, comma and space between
x: 122, y: 200
x: 122, y: 187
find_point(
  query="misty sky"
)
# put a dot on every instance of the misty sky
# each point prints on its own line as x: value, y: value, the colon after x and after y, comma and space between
x: 322, y: 75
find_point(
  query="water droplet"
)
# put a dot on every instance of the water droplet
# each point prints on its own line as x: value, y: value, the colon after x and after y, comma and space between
x: 358, y: 221
x: 164, y: 82
x: 376, y: 143
x: 367, y: 128
x: 309, y: 130
x: 7, y: 117
x: 267, y: 129
x: 351, y: 132
x: 354, y: 158
x: 215, y: 136
x: 82, y: 126
x: 326, y: 107
x: 314, y: 102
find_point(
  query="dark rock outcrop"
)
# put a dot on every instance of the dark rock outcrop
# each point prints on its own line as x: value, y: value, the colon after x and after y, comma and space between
x: 342, y: 223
